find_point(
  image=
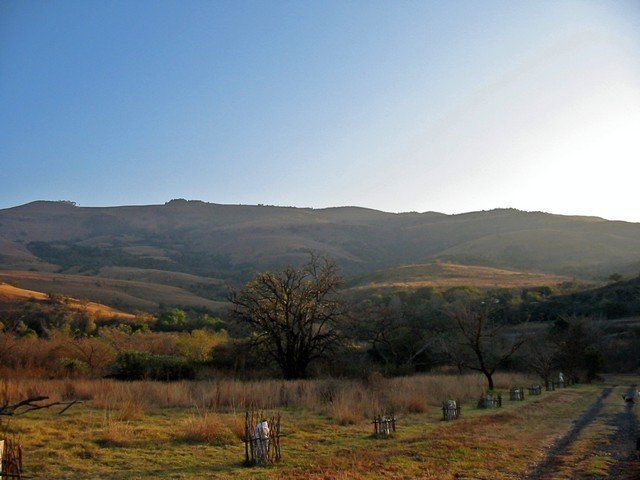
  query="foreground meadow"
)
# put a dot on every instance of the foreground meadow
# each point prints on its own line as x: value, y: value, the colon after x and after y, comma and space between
x: 192, y: 429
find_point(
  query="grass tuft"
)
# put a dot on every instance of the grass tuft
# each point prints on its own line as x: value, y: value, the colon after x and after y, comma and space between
x: 205, y: 427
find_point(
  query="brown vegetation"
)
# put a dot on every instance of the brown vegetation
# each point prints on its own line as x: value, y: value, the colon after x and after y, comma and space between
x: 63, y: 355
x: 344, y: 400
x: 205, y: 427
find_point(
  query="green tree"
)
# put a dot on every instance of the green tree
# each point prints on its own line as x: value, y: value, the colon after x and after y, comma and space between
x: 174, y: 320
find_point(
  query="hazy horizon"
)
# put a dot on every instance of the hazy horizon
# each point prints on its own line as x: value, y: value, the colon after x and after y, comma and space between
x: 444, y: 107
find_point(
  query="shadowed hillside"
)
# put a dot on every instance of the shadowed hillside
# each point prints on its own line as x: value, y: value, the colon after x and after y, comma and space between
x: 616, y: 300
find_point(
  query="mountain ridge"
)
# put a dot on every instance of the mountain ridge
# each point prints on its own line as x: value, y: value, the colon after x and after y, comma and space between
x: 69, y: 204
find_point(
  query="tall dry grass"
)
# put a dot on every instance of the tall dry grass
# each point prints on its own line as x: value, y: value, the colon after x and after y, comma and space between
x: 206, y: 427
x: 345, y: 400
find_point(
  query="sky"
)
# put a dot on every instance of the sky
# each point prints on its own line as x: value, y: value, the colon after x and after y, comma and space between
x: 448, y: 106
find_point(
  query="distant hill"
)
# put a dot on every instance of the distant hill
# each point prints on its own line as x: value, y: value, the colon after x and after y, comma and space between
x: 197, y: 247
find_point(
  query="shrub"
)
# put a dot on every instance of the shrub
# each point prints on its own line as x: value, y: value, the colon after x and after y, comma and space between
x: 72, y: 367
x: 615, y: 309
x: 174, y: 320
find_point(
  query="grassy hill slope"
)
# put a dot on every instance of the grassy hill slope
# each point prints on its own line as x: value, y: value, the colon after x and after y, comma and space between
x: 124, y: 294
x: 444, y: 274
x: 10, y: 294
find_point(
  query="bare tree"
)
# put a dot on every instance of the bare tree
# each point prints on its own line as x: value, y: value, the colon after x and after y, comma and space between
x: 8, y: 341
x: 578, y: 346
x: 31, y: 404
x: 293, y: 314
x: 541, y: 356
x: 481, y: 343
x: 397, y: 335
x: 94, y: 352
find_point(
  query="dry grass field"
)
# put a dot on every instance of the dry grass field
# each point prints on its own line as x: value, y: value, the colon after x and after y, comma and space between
x: 192, y: 430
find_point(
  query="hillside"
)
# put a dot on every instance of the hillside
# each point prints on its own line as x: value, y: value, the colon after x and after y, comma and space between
x: 186, y: 251
x: 11, y: 295
x: 124, y: 294
x: 616, y: 300
x: 444, y: 274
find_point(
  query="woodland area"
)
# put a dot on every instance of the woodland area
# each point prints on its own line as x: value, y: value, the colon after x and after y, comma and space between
x: 301, y: 323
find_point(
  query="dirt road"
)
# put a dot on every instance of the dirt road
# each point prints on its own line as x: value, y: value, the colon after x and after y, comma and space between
x: 608, y: 434
x: 622, y: 443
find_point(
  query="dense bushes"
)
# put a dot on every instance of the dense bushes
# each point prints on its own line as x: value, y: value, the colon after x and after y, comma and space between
x: 58, y: 312
x: 144, y: 365
x: 177, y: 320
x: 619, y: 299
x: 62, y: 354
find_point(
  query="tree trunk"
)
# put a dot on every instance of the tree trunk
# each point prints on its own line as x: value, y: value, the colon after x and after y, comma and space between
x: 489, y: 379
x: 294, y: 370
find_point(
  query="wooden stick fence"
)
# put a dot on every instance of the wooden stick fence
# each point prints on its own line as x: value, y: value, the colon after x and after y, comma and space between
x: 383, y: 425
x: 10, y: 459
x: 516, y: 394
x: 490, y: 400
x: 261, y: 438
x: 451, y: 410
x: 535, y: 389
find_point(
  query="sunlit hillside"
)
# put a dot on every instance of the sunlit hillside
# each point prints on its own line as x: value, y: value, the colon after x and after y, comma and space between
x: 445, y: 274
x: 10, y: 294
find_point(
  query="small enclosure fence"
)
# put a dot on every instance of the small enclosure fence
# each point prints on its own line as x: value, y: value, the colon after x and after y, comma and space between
x: 561, y: 380
x: 10, y: 459
x: 451, y: 410
x: 535, y: 389
x: 261, y: 438
x: 384, y: 425
x: 516, y: 394
x: 10, y: 450
x: 490, y: 400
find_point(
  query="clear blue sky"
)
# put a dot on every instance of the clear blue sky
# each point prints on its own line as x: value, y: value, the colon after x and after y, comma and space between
x: 448, y: 106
